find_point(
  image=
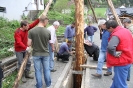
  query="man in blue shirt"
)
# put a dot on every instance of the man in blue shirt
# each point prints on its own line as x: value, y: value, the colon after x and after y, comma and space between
x: 64, y: 51
x: 90, y: 31
x: 70, y: 33
x: 102, y: 55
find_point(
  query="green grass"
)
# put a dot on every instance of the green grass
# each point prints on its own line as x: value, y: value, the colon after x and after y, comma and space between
x: 61, y: 30
x: 6, y: 36
x: 9, y: 81
x: 100, y: 12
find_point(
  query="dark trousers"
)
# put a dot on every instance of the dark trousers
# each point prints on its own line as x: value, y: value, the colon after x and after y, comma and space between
x: 64, y: 56
x: 1, y: 76
x: 20, y: 56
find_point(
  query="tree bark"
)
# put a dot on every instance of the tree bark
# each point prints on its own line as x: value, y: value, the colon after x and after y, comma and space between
x: 79, y: 39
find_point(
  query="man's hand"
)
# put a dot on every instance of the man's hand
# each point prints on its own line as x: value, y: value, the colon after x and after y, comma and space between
x: 28, y: 49
x: 72, y: 52
x: 66, y: 40
x: 118, y: 54
x: 53, y: 49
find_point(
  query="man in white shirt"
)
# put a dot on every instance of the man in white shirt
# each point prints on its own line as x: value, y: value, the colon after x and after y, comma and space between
x: 52, y: 29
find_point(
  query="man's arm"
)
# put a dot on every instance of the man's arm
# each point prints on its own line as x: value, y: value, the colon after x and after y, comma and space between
x: 33, y: 24
x: 85, y: 30
x: 66, y: 33
x: 66, y: 48
x: 18, y: 40
x: 113, y: 43
x: 29, y: 42
x: 52, y: 40
x: 95, y: 29
x: 74, y: 32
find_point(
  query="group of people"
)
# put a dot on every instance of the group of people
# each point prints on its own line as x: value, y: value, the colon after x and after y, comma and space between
x: 42, y: 40
x: 117, y: 50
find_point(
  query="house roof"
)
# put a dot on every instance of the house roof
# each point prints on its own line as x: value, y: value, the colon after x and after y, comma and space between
x: 121, y: 11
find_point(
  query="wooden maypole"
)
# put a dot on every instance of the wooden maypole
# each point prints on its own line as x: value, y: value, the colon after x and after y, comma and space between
x: 90, y: 4
x: 79, y: 8
x: 114, y: 12
x: 21, y: 70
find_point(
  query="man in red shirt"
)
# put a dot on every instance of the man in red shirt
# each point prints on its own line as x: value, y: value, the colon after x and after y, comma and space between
x: 20, y: 45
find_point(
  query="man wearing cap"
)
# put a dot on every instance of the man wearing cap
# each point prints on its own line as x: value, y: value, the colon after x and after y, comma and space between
x: 119, y: 53
x: 53, y: 28
x: 102, y: 55
x: 127, y: 23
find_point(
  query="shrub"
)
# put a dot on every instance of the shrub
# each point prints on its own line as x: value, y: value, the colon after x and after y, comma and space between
x: 6, y: 36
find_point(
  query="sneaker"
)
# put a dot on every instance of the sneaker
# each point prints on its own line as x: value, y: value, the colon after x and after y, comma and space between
x: 128, y: 79
x: 108, y: 74
x: 97, y: 75
x: 53, y: 70
x: 27, y: 75
x: 24, y: 80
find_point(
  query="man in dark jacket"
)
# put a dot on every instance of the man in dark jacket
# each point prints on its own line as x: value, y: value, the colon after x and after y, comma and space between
x: 90, y: 31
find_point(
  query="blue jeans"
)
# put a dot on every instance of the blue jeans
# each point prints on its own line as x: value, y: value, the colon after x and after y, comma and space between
x: 90, y: 38
x: 120, y: 76
x: 42, y: 63
x: 51, y: 59
x: 70, y: 47
x: 101, y: 59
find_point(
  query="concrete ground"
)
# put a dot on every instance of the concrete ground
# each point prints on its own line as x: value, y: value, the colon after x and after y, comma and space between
x: 59, y: 66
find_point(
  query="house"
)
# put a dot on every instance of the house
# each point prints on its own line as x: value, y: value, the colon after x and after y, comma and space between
x: 122, y: 12
x: 15, y: 9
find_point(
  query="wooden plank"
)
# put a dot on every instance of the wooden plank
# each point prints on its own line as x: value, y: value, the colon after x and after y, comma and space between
x: 10, y: 66
x: 8, y: 60
x: 92, y: 67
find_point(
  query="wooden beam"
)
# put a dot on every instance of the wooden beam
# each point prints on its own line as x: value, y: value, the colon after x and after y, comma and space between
x: 79, y: 40
x: 89, y: 1
x: 46, y: 8
x: 92, y: 67
x: 114, y: 12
